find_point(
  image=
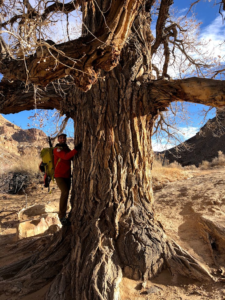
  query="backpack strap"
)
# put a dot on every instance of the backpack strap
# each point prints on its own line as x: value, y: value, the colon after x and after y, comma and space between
x: 58, y: 161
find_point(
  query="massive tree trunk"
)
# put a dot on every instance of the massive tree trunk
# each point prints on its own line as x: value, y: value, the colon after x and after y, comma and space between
x: 113, y: 227
x: 113, y: 232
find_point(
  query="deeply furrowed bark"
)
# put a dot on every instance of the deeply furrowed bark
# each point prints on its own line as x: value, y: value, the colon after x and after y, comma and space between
x: 114, y: 231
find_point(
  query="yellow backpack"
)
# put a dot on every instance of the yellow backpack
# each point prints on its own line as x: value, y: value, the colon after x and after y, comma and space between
x: 48, y: 161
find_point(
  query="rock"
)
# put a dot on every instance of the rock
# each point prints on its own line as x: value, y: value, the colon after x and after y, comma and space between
x: 214, y: 227
x: 37, y: 210
x: 152, y: 290
x: 34, y: 227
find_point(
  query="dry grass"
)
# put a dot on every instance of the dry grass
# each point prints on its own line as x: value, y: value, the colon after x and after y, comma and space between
x: 217, y: 162
x: 163, y: 174
x: 26, y: 165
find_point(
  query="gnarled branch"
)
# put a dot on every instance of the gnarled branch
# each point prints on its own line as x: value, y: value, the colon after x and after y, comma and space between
x: 161, y: 23
x: 15, y: 97
x: 158, y: 95
x: 82, y: 58
x: 195, y: 90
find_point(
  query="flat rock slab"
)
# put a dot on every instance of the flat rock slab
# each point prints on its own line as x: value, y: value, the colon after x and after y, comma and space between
x: 214, y: 227
x: 37, y: 210
x: 48, y: 223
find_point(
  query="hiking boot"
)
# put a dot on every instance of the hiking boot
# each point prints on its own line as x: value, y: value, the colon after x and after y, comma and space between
x: 64, y: 221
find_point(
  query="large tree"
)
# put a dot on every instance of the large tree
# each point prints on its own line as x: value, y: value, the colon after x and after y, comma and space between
x: 104, y: 81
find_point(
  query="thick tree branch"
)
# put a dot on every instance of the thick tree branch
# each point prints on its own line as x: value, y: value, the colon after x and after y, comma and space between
x: 195, y: 90
x: 82, y: 58
x: 155, y: 96
x: 15, y: 97
x: 161, y: 23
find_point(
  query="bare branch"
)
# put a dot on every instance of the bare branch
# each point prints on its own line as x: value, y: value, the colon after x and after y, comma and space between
x: 218, y: 72
x: 82, y: 58
x: 192, y: 4
x: 161, y: 24
x: 32, y: 14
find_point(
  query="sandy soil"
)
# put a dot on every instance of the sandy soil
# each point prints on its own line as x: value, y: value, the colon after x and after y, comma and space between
x: 10, y: 205
x: 181, y: 207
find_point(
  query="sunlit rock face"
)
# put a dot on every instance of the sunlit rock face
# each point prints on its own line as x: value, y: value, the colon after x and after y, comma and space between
x: 48, y: 222
x: 204, y: 146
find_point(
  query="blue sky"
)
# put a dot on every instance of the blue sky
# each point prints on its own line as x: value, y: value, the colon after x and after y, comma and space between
x: 212, y: 28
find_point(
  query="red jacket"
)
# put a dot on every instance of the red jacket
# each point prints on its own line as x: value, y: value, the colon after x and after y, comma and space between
x: 63, y: 167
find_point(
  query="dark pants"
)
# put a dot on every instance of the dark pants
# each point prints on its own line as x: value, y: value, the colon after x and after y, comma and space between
x: 64, y: 186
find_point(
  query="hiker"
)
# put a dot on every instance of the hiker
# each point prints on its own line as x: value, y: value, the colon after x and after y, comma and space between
x: 62, y: 165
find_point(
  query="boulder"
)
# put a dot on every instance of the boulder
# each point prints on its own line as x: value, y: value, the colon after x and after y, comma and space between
x: 48, y: 224
x: 37, y: 210
x: 212, y: 229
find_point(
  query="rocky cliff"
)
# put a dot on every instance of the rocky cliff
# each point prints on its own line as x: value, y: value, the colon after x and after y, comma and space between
x: 20, y: 147
x: 203, y: 146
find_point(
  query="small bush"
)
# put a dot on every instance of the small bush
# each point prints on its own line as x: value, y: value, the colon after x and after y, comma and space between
x: 25, y: 165
x: 190, y: 168
x: 170, y: 172
x: 204, y: 165
x: 218, y: 161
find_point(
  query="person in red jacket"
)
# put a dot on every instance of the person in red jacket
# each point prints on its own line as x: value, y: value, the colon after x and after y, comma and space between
x: 62, y: 163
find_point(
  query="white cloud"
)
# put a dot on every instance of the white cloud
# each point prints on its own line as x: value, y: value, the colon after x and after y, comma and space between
x: 214, y: 34
x: 185, y: 133
x: 215, y: 30
x: 205, y: 46
x: 181, y: 12
x: 160, y: 146
x: 188, y: 132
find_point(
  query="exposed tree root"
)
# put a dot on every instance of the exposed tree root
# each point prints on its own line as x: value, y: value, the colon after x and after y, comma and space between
x: 33, y: 272
x: 182, y: 263
x: 145, y: 250
x: 95, y: 267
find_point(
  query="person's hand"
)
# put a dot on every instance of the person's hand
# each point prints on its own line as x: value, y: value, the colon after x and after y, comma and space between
x: 78, y: 147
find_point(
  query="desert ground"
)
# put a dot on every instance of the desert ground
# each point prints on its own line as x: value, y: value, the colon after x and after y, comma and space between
x: 189, y: 204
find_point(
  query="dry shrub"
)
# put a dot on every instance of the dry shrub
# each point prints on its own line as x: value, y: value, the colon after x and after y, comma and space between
x: 190, y: 168
x: 175, y: 165
x: 218, y: 161
x: 163, y: 174
x: 204, y: 165
x: 25, y: 165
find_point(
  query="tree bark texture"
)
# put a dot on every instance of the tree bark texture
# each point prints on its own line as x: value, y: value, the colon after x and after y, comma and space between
x: 114, y: 231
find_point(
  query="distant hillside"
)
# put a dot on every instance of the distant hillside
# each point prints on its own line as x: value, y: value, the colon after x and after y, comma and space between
x: 19, y: 147
x: 203, y: 146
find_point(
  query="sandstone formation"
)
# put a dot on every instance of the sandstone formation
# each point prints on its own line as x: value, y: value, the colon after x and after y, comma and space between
x: 203, y: 146
x: 37, y: 210
x: 38, y: 226
x: 21, y: 148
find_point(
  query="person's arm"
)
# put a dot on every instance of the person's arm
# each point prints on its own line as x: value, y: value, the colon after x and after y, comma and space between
x: 63, y: 155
